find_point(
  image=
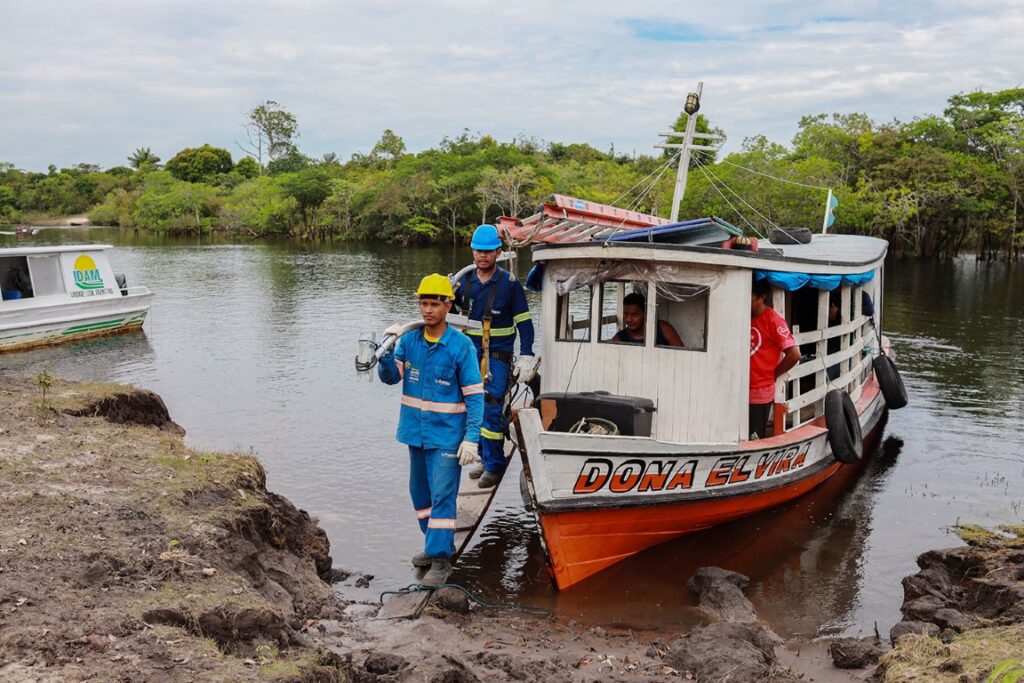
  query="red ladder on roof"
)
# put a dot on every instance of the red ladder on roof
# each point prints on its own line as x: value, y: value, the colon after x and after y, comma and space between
x: 568, y: 219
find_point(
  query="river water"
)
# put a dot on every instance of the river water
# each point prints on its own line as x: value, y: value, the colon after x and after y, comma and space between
x: 252, y: 346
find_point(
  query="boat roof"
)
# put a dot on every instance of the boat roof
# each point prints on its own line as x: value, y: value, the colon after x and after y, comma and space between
x: 55, y: 249
x: 829, y: 253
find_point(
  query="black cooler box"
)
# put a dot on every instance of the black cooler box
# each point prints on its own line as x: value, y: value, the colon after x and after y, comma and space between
x: 631, y: 414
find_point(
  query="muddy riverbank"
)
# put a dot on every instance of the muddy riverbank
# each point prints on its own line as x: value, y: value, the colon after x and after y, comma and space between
x: 125, y: 555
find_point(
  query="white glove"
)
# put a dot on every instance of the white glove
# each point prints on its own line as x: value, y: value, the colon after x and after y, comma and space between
x: 468, y: 453
x: 395, y: 330
x: 525, y: 369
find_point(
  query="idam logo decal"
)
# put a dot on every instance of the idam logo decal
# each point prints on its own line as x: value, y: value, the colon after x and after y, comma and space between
x: 86, y: 274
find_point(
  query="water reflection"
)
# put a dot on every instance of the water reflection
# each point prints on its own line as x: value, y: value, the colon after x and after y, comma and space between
x: 251, y: 346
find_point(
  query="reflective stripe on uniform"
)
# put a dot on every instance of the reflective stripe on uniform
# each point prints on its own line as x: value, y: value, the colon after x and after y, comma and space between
x: 424, y: 513
x: 495, y: 332
x: 471, y: 389
x: 432, y: 406
x: 521, y: 317
x: 436, y: 523
x: 493, y: 436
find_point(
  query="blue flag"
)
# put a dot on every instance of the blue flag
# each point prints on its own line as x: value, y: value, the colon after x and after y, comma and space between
x: 830, y: 216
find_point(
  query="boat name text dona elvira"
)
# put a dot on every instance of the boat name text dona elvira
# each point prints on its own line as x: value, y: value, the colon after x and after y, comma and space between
x: 601, y: 475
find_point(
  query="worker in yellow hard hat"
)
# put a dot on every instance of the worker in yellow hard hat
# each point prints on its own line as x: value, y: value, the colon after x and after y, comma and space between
x: 442, y: 407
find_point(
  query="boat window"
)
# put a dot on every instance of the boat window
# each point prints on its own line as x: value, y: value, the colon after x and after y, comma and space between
x: 573, y: 311
x: 46, y: 275
x: 682, y: 311
x: 15, y: 282
x: 612, y: 320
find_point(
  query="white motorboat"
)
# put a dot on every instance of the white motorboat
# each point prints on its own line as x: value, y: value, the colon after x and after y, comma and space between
x: 56, y: 294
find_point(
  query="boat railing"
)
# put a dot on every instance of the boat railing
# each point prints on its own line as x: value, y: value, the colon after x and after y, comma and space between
x: 803, y: 389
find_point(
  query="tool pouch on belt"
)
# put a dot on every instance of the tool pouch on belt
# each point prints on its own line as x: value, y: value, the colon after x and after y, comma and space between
x: 485, y: 342
x: 485, y: 337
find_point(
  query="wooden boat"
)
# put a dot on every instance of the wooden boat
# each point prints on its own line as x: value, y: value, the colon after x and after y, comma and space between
x: 58, y: 294
x: 628, y: 446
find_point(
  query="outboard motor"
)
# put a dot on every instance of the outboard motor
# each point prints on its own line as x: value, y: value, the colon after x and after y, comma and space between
x: 122, y: 283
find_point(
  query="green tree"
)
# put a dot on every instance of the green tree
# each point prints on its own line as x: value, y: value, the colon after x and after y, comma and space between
x: 167, y: 204
x: 292, y: 162
x: 843, y: 140
x: 271, y: 131
x: 8, y: 204
x: 247, y: 168
x: 509, y: 190
x: 389, y: 149
x: 258, y: 207
x: 993, y: 126
x: 143, y: 159
x: 200, y: 164
x: 7, y: 197
x: 309, y: 188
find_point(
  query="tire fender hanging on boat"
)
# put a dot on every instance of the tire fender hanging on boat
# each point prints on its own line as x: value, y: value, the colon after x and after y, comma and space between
x: 890, y: 382
x: 844, y: 433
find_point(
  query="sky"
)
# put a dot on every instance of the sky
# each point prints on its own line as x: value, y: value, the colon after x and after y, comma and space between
x: 90, y: 82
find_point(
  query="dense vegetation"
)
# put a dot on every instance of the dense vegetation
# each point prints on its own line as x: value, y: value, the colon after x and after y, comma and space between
x: 934, y: 186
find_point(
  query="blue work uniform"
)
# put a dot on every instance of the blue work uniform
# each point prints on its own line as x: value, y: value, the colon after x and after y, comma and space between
x: 442, y: 405
x: 509, y: 314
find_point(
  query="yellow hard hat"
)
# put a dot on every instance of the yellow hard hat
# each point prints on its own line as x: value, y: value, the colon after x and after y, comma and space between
x: 436, y: 285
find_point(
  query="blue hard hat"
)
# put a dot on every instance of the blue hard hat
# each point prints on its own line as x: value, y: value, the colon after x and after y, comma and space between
x: 485, y: 238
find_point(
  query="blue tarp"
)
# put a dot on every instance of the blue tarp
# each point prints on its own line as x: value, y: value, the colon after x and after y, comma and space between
x: 693, y: 231
x: 535, y: 278
x: 794, y: 281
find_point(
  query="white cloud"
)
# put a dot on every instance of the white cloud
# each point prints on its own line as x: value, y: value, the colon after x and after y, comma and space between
x: 90, y: 82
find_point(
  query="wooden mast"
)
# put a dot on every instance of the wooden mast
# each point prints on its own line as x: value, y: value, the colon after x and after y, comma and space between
x: 691, y: 108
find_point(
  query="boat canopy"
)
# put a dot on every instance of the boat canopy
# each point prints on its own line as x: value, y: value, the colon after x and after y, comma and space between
x: 794, y: 281
x: 694, y: 231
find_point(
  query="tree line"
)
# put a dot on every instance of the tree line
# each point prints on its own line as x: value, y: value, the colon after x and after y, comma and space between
x: 938, y: 185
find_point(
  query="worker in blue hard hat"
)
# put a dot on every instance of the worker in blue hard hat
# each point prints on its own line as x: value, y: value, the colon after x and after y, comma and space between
x: 442, y: 405
x: 495, y: 297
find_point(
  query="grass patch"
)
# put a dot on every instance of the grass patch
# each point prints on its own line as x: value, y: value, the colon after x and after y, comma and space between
x: 1007, y: 536
x: 69, y: 396
x: 971, y: 657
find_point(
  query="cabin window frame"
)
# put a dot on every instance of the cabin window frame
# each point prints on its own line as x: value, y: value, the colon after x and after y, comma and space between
x: 638, y: 287
x: 704, y: 291
x: 46, y: 270
x: 562, y: 315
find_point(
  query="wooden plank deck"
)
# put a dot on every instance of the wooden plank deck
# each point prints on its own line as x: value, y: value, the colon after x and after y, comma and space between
x: 473, y: 504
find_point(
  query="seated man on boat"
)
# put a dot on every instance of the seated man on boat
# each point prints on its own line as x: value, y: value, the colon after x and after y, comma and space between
x: 773, y: 352
x: 442, y: 405
x: 634, y: 316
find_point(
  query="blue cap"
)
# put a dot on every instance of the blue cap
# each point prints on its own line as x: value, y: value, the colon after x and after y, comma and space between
x: 485, y: 238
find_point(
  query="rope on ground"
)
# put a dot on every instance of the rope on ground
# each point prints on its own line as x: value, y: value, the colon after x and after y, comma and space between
x: 512, y: 607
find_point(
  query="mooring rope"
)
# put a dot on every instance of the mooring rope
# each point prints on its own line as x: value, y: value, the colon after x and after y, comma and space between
x: 512, y: 607
x: 769, y: 175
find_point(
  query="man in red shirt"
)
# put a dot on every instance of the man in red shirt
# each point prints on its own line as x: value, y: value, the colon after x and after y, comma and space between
x: 773, y: 351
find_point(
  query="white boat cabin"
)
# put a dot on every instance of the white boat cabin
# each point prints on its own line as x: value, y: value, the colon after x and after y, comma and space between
x: 33, y: 276
x: 698, y: 392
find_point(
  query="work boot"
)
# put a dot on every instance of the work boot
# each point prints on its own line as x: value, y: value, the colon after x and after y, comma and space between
x: 422, y: 560
x: 489, y: 479
x: 476, y: 472
x: 440, y: 568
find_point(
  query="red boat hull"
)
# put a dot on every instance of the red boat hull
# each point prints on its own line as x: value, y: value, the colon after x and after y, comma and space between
x: 582, y: 542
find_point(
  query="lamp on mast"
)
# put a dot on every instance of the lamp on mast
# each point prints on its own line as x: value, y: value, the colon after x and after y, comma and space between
x: 691, y: 107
